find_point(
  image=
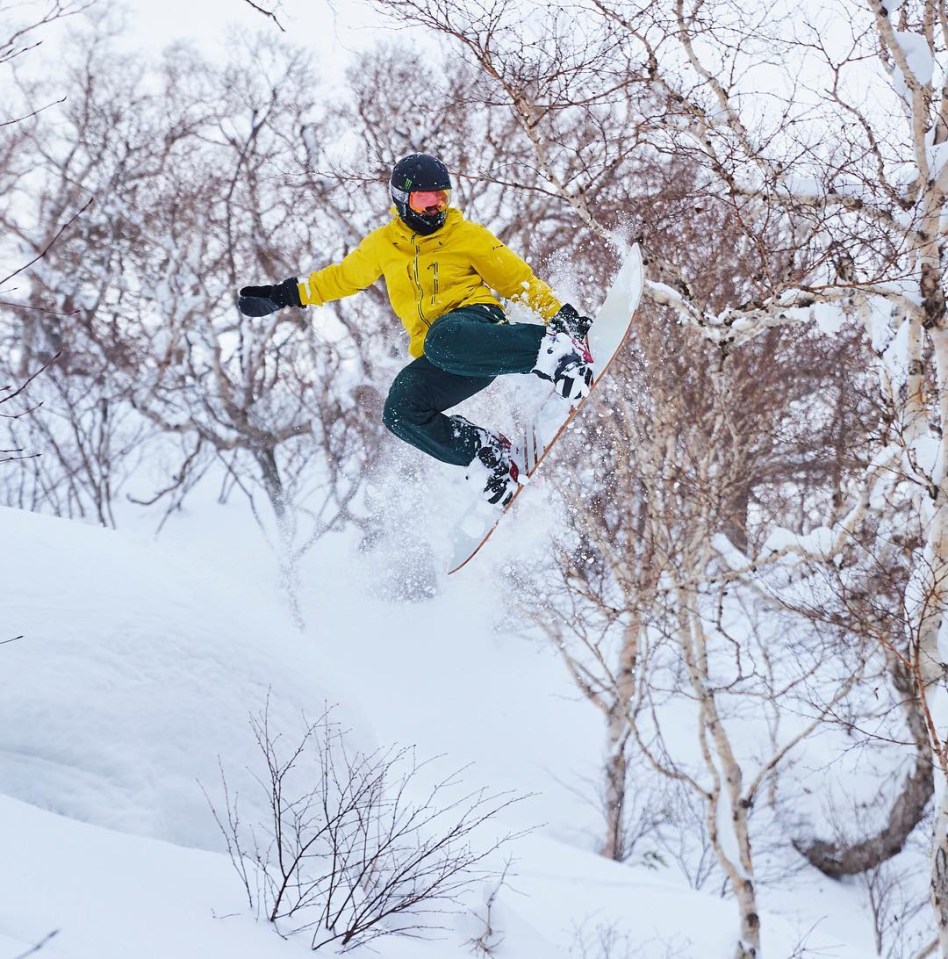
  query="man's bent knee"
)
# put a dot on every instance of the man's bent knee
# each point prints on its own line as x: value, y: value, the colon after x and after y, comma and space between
x: 437, y: 349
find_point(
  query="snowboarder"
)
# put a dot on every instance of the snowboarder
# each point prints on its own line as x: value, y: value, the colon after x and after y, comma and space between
x: 441, y: 272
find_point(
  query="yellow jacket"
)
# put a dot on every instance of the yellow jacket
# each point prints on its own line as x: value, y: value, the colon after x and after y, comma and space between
x: 427, y: 276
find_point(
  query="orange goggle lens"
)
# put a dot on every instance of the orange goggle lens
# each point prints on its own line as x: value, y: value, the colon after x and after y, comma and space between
x: 429, y: 201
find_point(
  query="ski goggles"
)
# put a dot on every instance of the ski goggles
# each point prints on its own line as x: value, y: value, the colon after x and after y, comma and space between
x: 429, y: 201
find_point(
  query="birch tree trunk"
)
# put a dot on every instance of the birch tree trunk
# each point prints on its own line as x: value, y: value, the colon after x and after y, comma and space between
x: 618, y: 733
x: 928, y: 669
x: 727, y: 808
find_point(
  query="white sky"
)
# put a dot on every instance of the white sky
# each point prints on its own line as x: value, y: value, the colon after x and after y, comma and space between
x: 331, y: 28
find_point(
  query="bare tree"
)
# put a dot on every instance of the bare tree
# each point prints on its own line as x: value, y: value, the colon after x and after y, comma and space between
x: 348, y: 854
x: 139, y: 298
x: 21, y: 38
x: 836, y: 200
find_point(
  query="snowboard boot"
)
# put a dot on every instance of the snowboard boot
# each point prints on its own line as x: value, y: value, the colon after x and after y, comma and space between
x: 567, y: 362
x: 493, y: 469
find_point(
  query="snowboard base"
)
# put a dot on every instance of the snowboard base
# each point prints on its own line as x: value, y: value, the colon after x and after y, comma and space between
x: 606, y: 336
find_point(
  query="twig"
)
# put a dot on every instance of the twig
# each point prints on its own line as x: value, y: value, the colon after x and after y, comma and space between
x: 38, y: 946
x: 41, y: 309
x: 49, y: 246
x: 5, y: 396
x: 34, y: 113
x: 267, y: 13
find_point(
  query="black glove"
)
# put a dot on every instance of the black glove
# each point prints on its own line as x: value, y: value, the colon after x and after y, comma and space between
x: 568, y: 320
x: 261, y: 300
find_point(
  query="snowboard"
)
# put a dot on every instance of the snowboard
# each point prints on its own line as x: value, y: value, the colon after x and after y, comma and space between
x: 606, y: 336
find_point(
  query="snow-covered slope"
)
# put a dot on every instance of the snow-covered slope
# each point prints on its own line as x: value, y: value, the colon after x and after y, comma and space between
x: 139, y: 666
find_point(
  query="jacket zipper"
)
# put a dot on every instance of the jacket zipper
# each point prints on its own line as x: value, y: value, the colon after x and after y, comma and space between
x: 421, y: 292
x: 434, y: 282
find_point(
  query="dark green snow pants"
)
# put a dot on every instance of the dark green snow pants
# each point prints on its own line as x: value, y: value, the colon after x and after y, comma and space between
x: 464, y: 350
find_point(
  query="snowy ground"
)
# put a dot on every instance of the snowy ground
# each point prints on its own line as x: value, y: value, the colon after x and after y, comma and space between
x: 139, y: 665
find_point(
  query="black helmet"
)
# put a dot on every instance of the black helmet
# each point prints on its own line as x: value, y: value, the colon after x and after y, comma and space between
x: 420, y: 173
